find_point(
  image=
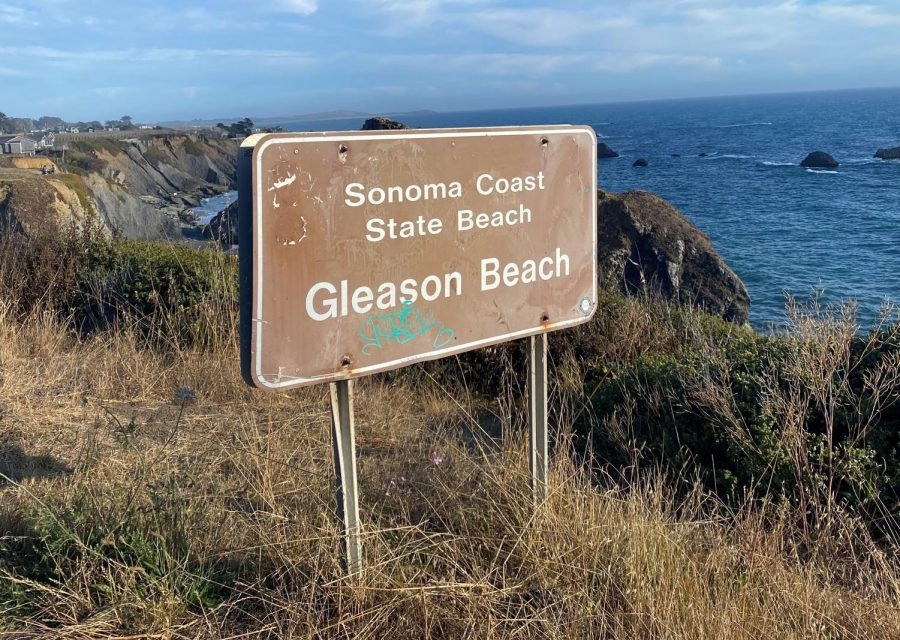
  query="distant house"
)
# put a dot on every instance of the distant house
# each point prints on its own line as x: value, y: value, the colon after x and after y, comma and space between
x: 46, y: 141
x: 18, y: 145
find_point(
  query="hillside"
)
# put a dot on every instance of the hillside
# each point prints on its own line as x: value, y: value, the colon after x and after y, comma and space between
x: 140, y: 188
x: 708, y: 482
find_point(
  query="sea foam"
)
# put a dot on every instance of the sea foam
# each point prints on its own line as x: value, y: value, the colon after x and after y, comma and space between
x: 744, y: 124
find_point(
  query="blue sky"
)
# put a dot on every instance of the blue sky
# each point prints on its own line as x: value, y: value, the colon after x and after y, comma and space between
x: 100, y: 59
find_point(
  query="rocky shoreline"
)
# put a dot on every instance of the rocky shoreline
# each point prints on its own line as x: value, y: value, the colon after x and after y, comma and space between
x: 136, y: 188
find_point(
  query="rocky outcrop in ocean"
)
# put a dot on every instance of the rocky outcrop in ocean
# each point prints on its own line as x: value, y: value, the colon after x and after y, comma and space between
x: 380, y: 123
x: 605, y: 151
x: 647, y: 246
x: 640, y: 162
x: 819, y: 160
x: 888, y: 154
x: 223, y: 227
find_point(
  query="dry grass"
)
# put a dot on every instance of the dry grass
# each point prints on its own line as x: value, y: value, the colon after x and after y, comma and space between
x: 132, y: 509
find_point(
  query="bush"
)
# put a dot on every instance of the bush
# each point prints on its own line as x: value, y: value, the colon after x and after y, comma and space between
x: 169, y: 295
x: 137, y: 542
x: 809, y: 417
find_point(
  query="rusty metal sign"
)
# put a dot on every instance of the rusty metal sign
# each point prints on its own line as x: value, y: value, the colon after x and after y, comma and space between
x: 370, y: 251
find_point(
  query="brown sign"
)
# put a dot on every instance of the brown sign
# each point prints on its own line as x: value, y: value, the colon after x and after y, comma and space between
x: 372, y: 251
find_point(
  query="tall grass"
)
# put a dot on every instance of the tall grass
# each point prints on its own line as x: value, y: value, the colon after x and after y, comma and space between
x: 147, y: 493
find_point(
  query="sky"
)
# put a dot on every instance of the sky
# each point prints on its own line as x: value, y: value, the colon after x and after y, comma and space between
x: 177, y: 59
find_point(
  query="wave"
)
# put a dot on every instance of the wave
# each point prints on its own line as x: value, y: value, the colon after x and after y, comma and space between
x: 745, y: 124
x: 862, y: 161
x: 821, y: 171
x: 771, y: 163
x: 715, y: 155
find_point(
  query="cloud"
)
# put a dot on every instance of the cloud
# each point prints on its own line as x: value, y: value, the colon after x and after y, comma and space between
x: 108, y: 92
x: 6, y: 72
x: 545, y: 27
x: 154, y: 55
x: 522, y: 67
x: 524, y: 86
x: 508, y: 64
x: 513, y: 63
x: 406, y: 14
x: 303, y: 7
x: 623, y: 62
x: 10, y: 14
x: 863, y: 15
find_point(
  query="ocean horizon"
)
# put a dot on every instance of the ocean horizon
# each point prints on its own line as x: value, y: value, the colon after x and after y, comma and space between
x: 732, y: 166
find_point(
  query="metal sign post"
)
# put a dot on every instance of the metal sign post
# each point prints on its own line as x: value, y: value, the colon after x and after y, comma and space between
x: 343, y: 436
x: 537, y: 415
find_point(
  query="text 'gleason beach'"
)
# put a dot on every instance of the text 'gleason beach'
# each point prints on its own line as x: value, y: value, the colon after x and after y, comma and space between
x: 326, y: 300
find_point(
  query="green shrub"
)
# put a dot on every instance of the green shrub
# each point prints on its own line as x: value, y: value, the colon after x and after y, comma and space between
x: 132, y: 544
x: 757, y: 415
x: 170, y: 294
x: 93, y: 145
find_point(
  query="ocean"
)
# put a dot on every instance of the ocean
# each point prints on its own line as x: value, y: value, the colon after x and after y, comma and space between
x: 782, y: 228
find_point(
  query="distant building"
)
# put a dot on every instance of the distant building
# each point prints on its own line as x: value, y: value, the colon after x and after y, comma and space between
x: 46, y: 141
x: 18, y: 145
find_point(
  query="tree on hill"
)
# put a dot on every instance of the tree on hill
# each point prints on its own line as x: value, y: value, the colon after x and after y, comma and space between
x: 50, y: 122
x: 15, y: 125
x: 240, y: 129
x: 125, y: 123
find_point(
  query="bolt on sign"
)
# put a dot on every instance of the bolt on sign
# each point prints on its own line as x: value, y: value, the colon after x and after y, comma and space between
x: 372, y: 251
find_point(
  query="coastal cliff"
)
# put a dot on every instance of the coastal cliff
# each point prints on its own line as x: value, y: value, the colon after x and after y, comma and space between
x: 140, y: 188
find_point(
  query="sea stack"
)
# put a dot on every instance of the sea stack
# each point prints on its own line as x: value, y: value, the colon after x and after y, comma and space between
x: 819, y: 160
x: 888, y: 154
x: 604, y: 151
x: 380, y: 123
x: 640, y: 162
x: 645, y: 244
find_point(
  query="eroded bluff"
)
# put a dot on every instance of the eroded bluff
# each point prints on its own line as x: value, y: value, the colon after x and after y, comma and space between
x: 137, y: 188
